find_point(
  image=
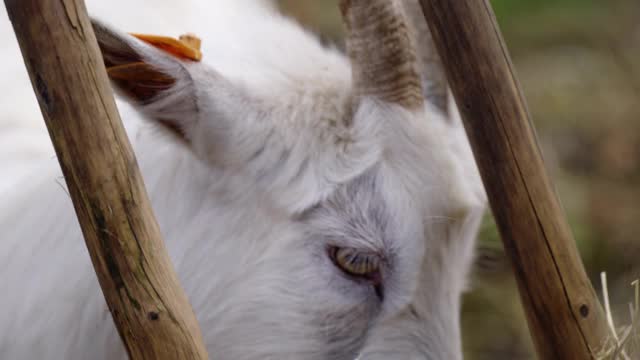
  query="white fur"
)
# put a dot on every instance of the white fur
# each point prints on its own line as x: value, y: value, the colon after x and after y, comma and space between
x: 277, y: 170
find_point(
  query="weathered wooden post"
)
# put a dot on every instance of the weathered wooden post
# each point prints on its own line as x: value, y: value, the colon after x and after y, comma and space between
x: 565, y: 317
x: 152, y: 314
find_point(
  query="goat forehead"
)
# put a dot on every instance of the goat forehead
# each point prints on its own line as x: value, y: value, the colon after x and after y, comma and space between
x: 356, y: 212
x: 369, y: 212
x: 326, y: 107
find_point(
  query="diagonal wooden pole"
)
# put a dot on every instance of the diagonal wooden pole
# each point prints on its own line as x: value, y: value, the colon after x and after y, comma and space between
x: 150, y: 309
x: 565, y: 317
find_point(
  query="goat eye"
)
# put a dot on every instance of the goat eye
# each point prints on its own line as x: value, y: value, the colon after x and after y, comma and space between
x: 356, y: 263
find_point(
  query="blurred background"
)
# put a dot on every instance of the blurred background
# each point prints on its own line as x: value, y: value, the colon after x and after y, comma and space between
x: 579, y: 66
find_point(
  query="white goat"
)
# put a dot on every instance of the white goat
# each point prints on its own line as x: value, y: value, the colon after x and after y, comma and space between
x: 315, y: 206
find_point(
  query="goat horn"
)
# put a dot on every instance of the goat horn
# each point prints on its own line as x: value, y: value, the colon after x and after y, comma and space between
x: 382, y: 58
x: 434, y: 81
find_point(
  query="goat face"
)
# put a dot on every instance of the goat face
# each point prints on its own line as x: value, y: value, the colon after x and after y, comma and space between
x: 349, y: 206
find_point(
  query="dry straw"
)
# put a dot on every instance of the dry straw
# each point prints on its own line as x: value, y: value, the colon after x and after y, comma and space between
x: 623, y: 343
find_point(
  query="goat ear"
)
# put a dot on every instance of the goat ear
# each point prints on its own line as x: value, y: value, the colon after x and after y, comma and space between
x: 155, y: 81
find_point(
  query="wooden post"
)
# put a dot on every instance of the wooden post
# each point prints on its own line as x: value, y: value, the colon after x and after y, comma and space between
x: 565, y: 317
x: 150, y: 309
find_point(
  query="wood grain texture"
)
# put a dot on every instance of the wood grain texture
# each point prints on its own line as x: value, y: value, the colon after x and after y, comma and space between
x: 565, y: 317
x: 150, y: 309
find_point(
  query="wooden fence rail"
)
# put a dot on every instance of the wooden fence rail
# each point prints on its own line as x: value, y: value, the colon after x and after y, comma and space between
x: 150, y: 309
x: 565, y: 317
